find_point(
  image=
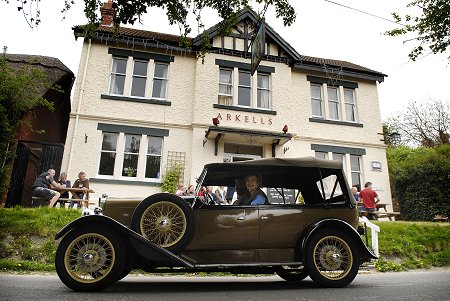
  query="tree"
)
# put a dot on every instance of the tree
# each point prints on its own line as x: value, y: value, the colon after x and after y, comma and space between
x: 128, y: 12
x: 423, y: 124
x: 431, y: 28
x: 21, y: 90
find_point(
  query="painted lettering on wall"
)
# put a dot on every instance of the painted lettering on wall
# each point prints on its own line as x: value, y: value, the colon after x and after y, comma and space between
x: 245, y: 118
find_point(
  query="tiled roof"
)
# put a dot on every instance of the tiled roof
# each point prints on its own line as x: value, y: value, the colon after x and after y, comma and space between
x: 137, y: 33
x: 173, y: 40
x: 336, y: 63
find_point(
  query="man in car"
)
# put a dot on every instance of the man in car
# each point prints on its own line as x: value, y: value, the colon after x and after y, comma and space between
x: 257, y: 196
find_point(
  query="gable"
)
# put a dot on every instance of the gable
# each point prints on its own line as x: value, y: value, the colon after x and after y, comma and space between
x: 241, y: 35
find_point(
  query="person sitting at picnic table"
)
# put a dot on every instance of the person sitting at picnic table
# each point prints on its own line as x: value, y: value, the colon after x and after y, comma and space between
x: 369, y: 198
x: 63, y: 182
x: 42, y: 187
x: 81, y: 182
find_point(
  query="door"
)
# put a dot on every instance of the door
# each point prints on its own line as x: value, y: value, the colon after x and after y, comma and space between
x: 227, y: 227
x: 280, y: 224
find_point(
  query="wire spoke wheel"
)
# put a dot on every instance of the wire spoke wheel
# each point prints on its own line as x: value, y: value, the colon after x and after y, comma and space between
x: 89, y: 258
x: 163, y: 223
x: 332, y: 257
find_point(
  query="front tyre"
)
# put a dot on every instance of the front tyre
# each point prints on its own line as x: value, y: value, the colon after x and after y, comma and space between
x: 332, y: 258
x: 90, y: 260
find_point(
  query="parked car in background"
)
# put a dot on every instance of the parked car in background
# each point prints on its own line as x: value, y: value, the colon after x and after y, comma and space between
x: 315, y: 233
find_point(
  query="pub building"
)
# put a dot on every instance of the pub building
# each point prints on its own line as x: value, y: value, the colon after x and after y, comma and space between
x: 143, y: 104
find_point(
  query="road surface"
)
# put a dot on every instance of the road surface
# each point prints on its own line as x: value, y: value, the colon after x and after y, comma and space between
x: 426, y: 285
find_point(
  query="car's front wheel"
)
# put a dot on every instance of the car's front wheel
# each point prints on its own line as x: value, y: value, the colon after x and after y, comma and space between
x: 332, y: 258
x: 166, y: 220
x: 90, y: 260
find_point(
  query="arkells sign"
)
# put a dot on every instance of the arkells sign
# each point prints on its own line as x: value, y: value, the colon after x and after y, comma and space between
x: 258, y: 46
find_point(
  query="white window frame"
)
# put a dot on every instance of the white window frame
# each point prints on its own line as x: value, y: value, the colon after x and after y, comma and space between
x: 129, y: 76
x: 166, y: 80
x: 107, y: 151
x: 253, y: 88
x: 352, y: 104
x: 317, y: 99
x: 133, y: 76
x: 114, y: 74
x: 267, y: 90
x: 335, y: 102
x: 246, y: 87
x: 359, y: 172
x: 142, y: 160
x: 226, y: 84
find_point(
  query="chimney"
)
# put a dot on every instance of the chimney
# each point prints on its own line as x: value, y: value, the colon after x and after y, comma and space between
x: 108, y: 13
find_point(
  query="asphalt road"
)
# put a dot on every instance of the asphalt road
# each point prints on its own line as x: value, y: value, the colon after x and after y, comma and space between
x: 428, y: 285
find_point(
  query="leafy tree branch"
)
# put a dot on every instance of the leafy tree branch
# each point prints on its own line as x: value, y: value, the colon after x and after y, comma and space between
x: 430, y: 29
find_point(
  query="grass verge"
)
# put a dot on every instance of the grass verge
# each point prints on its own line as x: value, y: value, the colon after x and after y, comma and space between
x: 27, y: 241
x: 413, y: 245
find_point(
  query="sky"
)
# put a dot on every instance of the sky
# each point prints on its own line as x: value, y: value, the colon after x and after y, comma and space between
x: 322, y: 29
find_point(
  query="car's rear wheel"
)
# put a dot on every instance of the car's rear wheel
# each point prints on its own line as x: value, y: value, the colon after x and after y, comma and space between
x: 90, y: 260
x: 332, y: 258
x: 165, y: 219
x: 292, y: 273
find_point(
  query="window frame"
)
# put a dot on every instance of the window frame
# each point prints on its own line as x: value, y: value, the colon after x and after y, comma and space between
x: 321, y: 100
x: 335, y: 102
x: 268, y: 89
x: 352, y: 104
x: 129, y: 79
x: 142, y: 159
x: 107, y: 151
x: 245, y: 87
x: 226, y: 84
x: 166, y: 80
x: 359, y: 172
x: 114, y: 74
x: 133, y: 76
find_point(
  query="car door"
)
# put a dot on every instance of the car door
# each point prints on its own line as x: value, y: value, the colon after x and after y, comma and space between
x: 227, y: 227
x: 280, y: 225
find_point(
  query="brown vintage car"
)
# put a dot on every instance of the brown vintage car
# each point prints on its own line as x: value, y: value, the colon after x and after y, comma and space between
x: 307, y: 226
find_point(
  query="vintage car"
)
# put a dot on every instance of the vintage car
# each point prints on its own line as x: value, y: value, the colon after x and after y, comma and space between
x: 309, y: 228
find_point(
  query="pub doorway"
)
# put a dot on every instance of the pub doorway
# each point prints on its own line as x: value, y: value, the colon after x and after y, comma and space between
x: 234, y: 152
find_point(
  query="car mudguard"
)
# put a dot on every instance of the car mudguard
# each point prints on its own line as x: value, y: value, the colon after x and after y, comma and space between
x: 366, y: 254
x: 141, y: 246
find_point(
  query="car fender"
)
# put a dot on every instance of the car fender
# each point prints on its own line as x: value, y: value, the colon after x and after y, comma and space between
x: 335, y: 223
x: 143, y: 247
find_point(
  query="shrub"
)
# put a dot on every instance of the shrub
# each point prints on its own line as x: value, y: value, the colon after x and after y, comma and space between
x: 420, y: 181
x: 172, y: 178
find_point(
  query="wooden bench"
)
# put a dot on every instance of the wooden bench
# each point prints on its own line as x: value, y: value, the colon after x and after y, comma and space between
x: 39, y: 202
x: 389, y: 215
x: 381, y: 214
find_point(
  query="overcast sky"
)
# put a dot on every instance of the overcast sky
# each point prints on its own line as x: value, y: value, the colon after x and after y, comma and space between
x: 322, y: 29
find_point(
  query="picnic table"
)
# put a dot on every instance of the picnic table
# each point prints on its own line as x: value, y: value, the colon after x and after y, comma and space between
x: 74, y: 192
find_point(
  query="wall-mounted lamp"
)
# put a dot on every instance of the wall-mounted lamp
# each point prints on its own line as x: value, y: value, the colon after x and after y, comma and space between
x: 204, y: 142
x: 285, y: 149
x: 85, y: 138
x: 216, y: 121
x: 285, y: 128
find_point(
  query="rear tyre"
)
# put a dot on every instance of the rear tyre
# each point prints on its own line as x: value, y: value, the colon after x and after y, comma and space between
x: 292, y: 274
x: 166, y: 220
x: 90, y: 260
x: 332, y: 258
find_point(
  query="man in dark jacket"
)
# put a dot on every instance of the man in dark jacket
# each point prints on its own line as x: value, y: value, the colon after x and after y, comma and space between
x: 42, y: 185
